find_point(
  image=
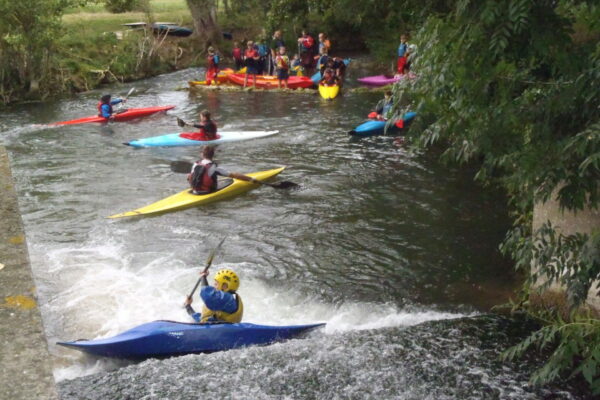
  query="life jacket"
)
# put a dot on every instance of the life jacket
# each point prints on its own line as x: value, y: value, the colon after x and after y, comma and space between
x: 237, y: 53
x: 233, y: 318
x: 263, y: 50
x: 307, y: 43
x: 204, y: 178
x: 100, y: 104
x: 282, y: 62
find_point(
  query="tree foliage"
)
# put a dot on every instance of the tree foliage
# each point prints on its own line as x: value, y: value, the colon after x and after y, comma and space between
x: 514, y: 85
x: 120, y: 6
x: 28, y: 33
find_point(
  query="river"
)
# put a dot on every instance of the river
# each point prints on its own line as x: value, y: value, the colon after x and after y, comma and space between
x: 394, y: 251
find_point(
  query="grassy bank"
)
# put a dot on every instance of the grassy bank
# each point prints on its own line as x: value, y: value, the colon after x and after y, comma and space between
x: 96, y: 48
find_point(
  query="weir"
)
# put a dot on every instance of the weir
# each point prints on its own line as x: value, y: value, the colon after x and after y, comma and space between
x: 26, y: 371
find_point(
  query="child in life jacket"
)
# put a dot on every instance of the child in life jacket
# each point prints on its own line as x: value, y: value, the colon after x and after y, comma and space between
x: 296, y: 66
x: 212, y: 66
x: 204, y: 173
x: 221, y: 301
x: 208, y: 129
x: 237, y: 53
x: 105, y: 108
x: 402, y: 55
x: 282, y: 62
x: 251, y: 59
x: 329, y: 78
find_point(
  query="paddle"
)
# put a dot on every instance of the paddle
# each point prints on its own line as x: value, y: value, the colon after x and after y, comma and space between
x: 186, y: 167
x: 211, y: 256
x: 182, y: 123
x: 123, y: 100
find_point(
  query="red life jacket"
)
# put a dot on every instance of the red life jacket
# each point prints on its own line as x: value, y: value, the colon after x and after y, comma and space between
x: 237, y: 53
x: 100, y: 104
x: 204, y: 178
x: 308, y: 42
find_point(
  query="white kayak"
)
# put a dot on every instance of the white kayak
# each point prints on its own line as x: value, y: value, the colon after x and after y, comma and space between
x: 175, y: 139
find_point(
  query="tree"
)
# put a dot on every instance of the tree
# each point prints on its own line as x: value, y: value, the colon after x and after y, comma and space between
x: 204, y: 14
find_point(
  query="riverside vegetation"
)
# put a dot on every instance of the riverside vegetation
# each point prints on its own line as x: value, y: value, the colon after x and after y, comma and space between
x: 512, y: 85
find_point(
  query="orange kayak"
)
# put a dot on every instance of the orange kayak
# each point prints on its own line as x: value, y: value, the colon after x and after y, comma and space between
x: 271, y: 82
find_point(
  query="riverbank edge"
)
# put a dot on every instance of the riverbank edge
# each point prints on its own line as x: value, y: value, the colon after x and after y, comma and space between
x: 26, y: 371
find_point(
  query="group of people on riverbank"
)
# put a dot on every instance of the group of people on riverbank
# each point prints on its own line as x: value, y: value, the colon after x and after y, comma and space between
x: 262, y: 57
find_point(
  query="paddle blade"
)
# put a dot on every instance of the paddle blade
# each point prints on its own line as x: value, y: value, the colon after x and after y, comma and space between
x: 283, y: 185
x: 400, y: 124
x: 372, y: 114
x: 182, y: 167
x: 180, y: 122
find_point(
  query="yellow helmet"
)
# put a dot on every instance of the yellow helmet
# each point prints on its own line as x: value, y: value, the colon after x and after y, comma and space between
x: 230, y: 278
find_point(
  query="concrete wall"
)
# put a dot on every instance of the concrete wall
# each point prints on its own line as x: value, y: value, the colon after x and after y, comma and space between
x: 25, y: 366
x: 568, y: 223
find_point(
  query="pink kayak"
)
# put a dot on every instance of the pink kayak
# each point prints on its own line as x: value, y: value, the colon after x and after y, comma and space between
x: 131, y: 113
x: 382, y: 80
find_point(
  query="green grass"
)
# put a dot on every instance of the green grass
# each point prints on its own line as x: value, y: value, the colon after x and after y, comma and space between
x: 95, y: 18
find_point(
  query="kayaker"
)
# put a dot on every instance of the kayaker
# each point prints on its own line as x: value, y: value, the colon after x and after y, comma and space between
x: 382, y: 109
x: 221, y: 302
x: 203, y: 176
x: 208, y: 129
x: 276, y: 43
x: 251, y: 59
x: 329, y: 78
x: 338, y: 66
x: 212, y: 66
x: 402, y: 55
x: 105, y: 108
x: 282, y: 61
x: 238, y: 59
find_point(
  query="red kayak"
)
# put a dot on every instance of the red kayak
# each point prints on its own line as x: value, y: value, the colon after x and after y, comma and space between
x: 131, y: 113
x: 270, y: 82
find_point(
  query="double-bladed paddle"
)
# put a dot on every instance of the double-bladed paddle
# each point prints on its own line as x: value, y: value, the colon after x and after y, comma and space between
x: 211, y: 256
x: 186, y: 167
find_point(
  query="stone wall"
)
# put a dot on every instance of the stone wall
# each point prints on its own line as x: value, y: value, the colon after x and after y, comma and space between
x: 25, y: 366
x: 568, y: 223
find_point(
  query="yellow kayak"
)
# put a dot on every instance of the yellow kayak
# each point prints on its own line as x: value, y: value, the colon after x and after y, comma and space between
x: 185, y: 199
x: 329, y: 92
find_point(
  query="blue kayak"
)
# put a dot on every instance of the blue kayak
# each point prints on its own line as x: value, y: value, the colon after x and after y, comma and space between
x: 169, y: 338
x: 376, y: 127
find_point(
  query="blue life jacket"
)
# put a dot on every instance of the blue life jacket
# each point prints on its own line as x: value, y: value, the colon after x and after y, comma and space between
x: 263, y: 50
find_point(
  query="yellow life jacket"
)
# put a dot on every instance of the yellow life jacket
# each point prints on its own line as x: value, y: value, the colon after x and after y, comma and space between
x: 223, y: 316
